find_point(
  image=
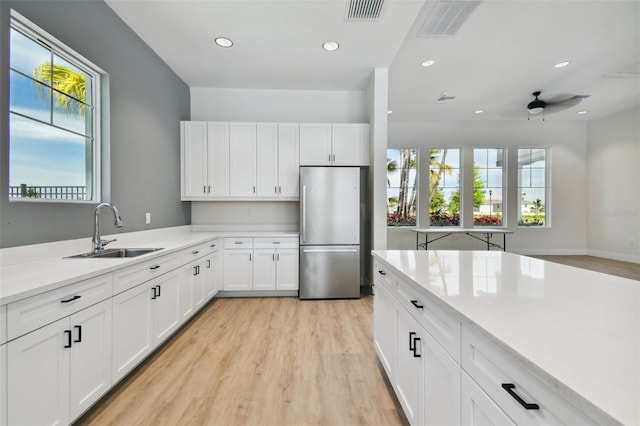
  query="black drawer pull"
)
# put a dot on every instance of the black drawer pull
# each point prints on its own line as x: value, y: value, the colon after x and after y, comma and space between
x: 195, y: 252
x: 212, y: 245
x: 76, y: 297
x: 159, y: 290
x: 153, y: 268
x: 417, y: 304
x: 79, y: 328
x: 381, y: 272
x: 68, y: 333
x: 411, y: 342
x: 155, y: 295
x: 509, y: 387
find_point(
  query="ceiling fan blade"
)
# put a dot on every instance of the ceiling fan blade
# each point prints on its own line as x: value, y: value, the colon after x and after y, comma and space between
x: 561, y: 105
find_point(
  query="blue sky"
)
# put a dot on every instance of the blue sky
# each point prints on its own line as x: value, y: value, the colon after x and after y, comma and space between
x: 41, y: 155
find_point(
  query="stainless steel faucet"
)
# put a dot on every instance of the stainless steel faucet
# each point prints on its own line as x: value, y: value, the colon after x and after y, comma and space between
x: 99, y: 243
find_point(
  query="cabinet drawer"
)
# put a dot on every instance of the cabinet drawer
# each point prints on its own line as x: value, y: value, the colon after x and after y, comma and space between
x: 127, y: 278
x: 28, y: 314
x: 3, y: 324
x: 442, y: 326
x: 383, y: 276
x: 492, y: 367
x: 238, y: 243
x: 196, y: 252
x: 276, y: 243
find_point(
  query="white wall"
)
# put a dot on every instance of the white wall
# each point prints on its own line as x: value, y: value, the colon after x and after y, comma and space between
x: 209, y: 104
x: 568, y: 204
x: 613, y: 158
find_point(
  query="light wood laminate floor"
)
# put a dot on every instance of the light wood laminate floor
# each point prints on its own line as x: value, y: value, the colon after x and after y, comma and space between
x: 262, y: 361
x: 598, y: 264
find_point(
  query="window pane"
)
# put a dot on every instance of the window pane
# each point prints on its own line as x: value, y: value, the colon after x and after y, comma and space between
x: 401, y: 187
x: 444, y: 184
x: 29, y: 97
x: 532, y: 187
x: 488, y: 189
x: 72, y: 115
x: 537, y: 177
x: 26, y: 54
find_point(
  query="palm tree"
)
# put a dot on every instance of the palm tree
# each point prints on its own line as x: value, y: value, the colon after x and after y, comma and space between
x: 65, y: 81
x: 537, y: 206
x: 436, y: 170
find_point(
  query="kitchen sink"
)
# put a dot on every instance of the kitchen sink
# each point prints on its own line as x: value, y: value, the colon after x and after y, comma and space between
x: 115, y: 252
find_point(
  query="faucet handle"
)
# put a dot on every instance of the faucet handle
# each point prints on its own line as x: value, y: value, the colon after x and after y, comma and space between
x: 105, y: 242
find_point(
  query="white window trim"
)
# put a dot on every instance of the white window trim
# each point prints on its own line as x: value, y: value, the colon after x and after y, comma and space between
x: 547, y: 189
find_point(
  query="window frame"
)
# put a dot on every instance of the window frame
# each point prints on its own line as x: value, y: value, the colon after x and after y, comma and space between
x: 547, y: 188
x: 461, y: 174
x: 40, y: 36
x: 505, y: 186
x: 417, y: 189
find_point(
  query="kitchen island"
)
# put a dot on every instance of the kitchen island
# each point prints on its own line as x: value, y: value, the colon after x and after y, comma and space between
x: 562, y: 344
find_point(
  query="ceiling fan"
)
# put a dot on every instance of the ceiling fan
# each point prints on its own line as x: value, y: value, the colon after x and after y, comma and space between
x: 559, y: 103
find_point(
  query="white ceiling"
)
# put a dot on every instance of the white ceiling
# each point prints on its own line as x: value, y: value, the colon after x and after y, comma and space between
x: 506, y: 50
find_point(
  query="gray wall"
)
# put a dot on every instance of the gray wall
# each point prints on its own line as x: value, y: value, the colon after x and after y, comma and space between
x: 147, y: 102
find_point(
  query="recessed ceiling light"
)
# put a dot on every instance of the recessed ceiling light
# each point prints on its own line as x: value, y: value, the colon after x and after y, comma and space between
x: 330, y: 45
x: 562, y: 64
x: 389, y: 112
x: 427, y: 63
x: 582, y: 112
x: 480, y: 111
x: 223, y: 42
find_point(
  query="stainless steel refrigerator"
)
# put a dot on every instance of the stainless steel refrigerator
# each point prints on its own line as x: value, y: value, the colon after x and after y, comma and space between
x: 331, y: 230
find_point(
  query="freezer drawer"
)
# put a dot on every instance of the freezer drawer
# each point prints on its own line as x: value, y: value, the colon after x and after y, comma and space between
x: 329, y: 272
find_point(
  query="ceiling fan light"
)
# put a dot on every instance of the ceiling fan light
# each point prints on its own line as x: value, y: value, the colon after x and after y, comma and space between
x: 536, y: 110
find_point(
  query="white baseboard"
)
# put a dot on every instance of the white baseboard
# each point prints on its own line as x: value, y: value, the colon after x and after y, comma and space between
x: 549, y: 252
x: 615, y: 256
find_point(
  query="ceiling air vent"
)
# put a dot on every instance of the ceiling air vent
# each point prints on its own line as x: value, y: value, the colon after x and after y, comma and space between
x: 364, y: 10
x: 447, y: 17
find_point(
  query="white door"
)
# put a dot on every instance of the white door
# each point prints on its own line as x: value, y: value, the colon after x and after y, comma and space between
x: 90, y: 373
x: 3, y: 385
x: 242, y: 159
x: 38, y: 376
x: 315, y: 144
x: 132, y: 329
x: 267, y: 159
x: 185, y: 297
x: 287, y: 276
x: 477, y: 408
x: 264, y: 269
x: 350, y: 144
x: 384, y: 328
x: 288, y: 159
x: 408, y: 371
x: 441, y: 385
x: 194, y: 159
x: 166, y: 318
x: 211, y: 275
x: 218, y: 159
x: 238, y: 270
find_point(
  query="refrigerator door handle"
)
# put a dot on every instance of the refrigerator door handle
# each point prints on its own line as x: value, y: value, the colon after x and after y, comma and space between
x: 304, y: 214
x: 345, y: 250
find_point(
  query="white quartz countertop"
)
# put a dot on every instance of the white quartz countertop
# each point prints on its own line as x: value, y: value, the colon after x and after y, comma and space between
x: 576, y: 330
x: 30, y: 270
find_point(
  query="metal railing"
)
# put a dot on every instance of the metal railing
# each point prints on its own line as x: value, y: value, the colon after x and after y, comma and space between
x: 66, y: 192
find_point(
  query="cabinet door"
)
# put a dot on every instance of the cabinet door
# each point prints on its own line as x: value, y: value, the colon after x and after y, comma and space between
x: 350, y: 144
x: 218, y: 159
x: 90, y: 373
x: 441, y: 385
x: 211, y: 275
x: 38, y: 376
x: 267, y: 159
x: 132, y: 329
x: 478, y: 408
x: 242, y: 159
x: 264, y: 269
x: 409, y: 371
x: 198, y: 285
x: 194, y: 159
x: 166, y: 318
x: 384, y: 328
x: 3, y: 385
x: 287, y: 276
x: 238, y: 270
x: 315, y: 144
x: 185, y: 297
x: 288, y: 159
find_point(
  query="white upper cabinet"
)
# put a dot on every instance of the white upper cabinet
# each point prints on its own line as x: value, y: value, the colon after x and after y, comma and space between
x: 324, y: 144
x: 242, y: 159
x: 278, y: 160
x: 267, y: 159
x: 205, y: 159
x: 288, y: 159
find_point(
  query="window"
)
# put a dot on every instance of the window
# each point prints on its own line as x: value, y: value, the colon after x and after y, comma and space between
x: 444, y: 187
x: 401, y: 187
x: 53, y: 128
x: 532, y: 186
x: 488, y: 186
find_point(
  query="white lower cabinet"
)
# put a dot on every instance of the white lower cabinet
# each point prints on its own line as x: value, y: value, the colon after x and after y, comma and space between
x: 144, y: 316
x: 408, y: 378
x: 275, y: 269
x: 3, y: 385
x: 478, y: 408
x: 238, y: 269
x: 384, y: 328
x: 60, y: 370
x: 212, y: 275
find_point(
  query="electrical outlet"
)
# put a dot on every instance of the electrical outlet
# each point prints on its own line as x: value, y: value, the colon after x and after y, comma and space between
x: 147, y: 218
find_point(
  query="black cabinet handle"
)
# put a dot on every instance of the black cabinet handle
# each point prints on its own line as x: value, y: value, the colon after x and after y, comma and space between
x: 195, y: 271
x: 417, y: 304
x: 381, y: 272
x: 155, y: 296
x: 212, y: 245
x: 79, y: 338
x: 415, y: 348
x: 76, y: 297
x: 509, y: 387
x: 153, y: 268
x: 68, y: 333
x: 412, y: 344
x: 159, y: 290
x: 208, y: 263
x: 411, y: 336
x: 195, y: 252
